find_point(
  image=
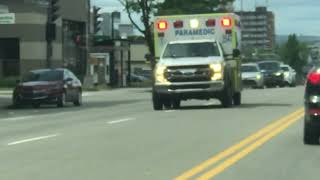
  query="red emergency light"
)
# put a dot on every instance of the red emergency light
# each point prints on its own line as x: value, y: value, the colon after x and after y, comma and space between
x: 211, y: 22
x: 178, y: 24
x: 162, y: 25
x: 226, y: 22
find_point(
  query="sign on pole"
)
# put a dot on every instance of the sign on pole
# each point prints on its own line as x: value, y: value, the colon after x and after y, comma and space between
x: 7, y: 18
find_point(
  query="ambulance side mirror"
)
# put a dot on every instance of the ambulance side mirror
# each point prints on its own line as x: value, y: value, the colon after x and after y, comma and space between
x: 236, y: 53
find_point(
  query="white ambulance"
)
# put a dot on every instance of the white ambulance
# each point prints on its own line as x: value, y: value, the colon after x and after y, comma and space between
x: 199, y: 58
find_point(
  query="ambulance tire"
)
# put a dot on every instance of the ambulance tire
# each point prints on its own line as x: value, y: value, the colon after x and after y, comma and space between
x: 176, y: 104
x: 227, y: 98
x: 237, y: 99
x: 157, y: 102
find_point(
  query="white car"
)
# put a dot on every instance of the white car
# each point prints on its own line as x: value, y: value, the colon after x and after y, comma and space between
x: 252, y: 76
x: 289, y: 75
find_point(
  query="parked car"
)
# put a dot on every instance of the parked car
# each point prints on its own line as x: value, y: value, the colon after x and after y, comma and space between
x: 289, y: 75
x: 272, y: 73
x: 252, y: 76
x: 48, y: 86
x: 312, y: 107
x: 137, y: 78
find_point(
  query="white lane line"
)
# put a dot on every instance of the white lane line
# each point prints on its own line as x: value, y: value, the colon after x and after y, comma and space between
x: 209, y: 104
x: 32, y: 139
x: 5, y: 95
x: 121, y: 120
x: 17, y: 118
x: 169, y: 111
x: 86, y: 94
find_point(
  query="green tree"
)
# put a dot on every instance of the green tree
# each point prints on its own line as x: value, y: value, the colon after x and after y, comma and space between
x: 170, y: 7
x: 294, y: 53
x: 145, y: 9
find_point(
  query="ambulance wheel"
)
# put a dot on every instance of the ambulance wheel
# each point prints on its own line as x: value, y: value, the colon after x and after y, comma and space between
x: 157, y: 102
x: 237, y: 99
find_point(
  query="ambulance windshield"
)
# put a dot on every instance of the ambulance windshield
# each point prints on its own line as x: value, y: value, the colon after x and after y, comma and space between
x: 198, y: 49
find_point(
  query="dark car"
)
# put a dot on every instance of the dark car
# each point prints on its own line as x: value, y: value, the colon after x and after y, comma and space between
x: 48, y: 86
x: 137, y: 78
x: 272, y: 73
x: 312, y: 108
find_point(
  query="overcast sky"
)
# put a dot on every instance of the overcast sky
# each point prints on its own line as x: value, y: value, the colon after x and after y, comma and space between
x: 292, y: 16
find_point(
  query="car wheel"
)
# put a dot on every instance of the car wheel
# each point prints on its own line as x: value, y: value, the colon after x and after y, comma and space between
x: 167, y: 104
x: 36, y: 105
x: 176, y: 104
x: 309, y: 137
x: 62, y: 100
x: 282, y: 85
x: 157, y: 102
x: 237, y: 99
x: 78, y: 101
x: 16, y: 102
x: 226, y: 100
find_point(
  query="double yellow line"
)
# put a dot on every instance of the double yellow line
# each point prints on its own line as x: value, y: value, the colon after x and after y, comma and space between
x: 240, y: 150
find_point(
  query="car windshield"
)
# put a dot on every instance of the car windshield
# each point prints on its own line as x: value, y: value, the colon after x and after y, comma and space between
x: 201, y: 49
x: 286, y: 69
x: 269, y: 66
x: 43, y: 76
x: 249, y: 69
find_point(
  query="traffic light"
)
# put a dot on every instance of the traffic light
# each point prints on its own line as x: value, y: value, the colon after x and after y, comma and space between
x: 53, y: 15
x: 53, y: 10
x: 50, y: 31
x: 96, y: 21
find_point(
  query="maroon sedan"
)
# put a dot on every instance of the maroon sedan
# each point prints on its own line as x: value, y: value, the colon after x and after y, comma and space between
x: 48, y: 86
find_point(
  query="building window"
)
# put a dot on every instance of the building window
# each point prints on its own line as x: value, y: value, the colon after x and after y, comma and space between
x: 9, y: 57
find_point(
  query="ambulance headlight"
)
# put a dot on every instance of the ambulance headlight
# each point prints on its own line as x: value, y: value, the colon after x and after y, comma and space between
x: 258, y: 76
x: 159, y: 74
x: 278, y: 73
x: 217, y: 70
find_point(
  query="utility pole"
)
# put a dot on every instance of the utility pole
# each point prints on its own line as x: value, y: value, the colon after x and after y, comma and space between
x: 88, y: 43
x: 52, y: 16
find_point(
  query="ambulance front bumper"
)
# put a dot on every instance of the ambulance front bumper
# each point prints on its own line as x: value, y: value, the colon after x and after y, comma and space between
x: 189, y: 87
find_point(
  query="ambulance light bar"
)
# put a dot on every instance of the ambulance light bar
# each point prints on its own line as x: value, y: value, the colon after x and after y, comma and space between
x: 226, y: 22
x: 178, y: 24
x: 211, y: 22
x: 162, y: 25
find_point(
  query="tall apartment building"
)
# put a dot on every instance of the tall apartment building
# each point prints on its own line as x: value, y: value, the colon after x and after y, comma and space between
x: 23, y: 41
x: 258, y: 28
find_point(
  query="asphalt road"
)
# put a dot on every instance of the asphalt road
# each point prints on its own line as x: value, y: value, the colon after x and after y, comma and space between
x: 116, y: 135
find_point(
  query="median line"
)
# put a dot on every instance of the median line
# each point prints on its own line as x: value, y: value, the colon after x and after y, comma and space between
x: 121, y: 120
x: 246, y: 151
x: 233, y: 149
x: 32, y: 139
x: 17, y: 118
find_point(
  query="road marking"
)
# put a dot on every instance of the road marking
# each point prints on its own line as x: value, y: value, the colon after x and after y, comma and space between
x: 86, y: 94
x: 233, y: 149
x: 121, y: 120
x: 17, y: 118
x: 5, y: 96
x: 169, y: 111
x: 32, y: 139
x: 235, y: 158
x: 210, y: 104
